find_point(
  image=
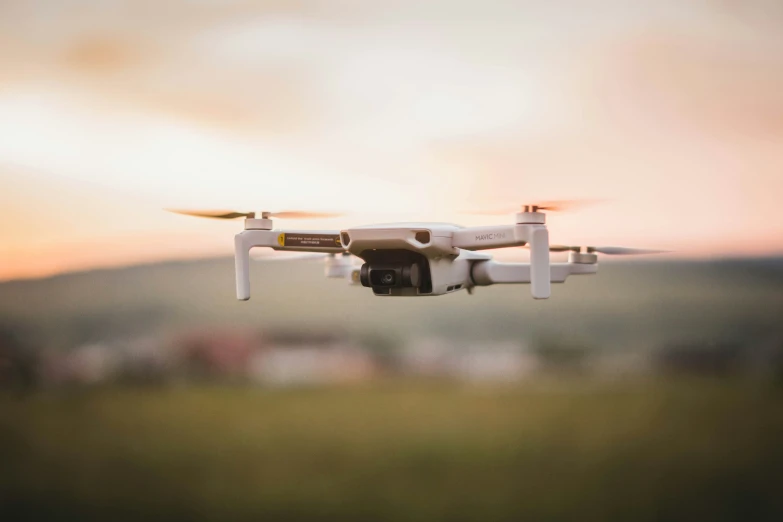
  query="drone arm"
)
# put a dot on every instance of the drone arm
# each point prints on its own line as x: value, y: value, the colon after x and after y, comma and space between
x: 540, y: 269
x: 534, y: 234
x: 242, y: 265
x: 243, y: 242
x: 482, y: 238
x: 490, y: 272
x: 296, y: 240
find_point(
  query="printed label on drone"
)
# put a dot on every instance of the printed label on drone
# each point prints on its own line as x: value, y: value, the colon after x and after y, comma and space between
x: 490, y: 236
x: 309, y: 240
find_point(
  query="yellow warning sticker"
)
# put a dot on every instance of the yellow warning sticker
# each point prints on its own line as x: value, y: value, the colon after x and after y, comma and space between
x: 309, y: 240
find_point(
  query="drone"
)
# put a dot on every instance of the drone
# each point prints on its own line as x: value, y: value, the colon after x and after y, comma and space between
x: 420, y: 259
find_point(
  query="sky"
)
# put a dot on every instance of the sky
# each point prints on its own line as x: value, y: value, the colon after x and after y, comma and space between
x: 668, y: 113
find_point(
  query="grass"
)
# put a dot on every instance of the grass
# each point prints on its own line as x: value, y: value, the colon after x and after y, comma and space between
x: 547, y: 450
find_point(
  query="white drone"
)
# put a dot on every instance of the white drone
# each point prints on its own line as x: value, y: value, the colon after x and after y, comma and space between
x: 420, y: 259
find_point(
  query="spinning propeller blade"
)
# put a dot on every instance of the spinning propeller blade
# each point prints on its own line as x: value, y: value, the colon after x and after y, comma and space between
x: 550, y: 206
x: 563, y: 248
x: 624, y: 251
x: 300, y: 214
x: 231, y: 214
x: 559, y: 206
x: 608, y: 250
x: 215, y: 214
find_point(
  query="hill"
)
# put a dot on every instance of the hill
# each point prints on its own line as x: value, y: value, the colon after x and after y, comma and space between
x: 627, y: 305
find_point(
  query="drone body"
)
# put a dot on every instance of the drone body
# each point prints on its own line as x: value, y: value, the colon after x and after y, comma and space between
x: 420, y: 259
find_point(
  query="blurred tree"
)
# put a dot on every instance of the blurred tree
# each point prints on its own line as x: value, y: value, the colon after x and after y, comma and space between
x: 18, y: 359
x: 384, y: 349
x: 706, y: 358
x: 562, y: 355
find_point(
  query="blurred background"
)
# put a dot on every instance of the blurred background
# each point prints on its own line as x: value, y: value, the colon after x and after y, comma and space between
x: 133, y: 384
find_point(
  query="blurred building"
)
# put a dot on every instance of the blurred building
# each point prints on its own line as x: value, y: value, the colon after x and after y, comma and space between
x: 298, y: 358
x: 221, y: 353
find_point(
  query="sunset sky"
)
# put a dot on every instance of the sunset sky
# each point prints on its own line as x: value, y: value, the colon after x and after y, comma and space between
x: 668, y: 112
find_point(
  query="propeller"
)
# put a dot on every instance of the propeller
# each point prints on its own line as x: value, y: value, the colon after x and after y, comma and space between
x: 608, y: 250
x: 550, y: 206
x: 624, y: 251
x: 231, y: 214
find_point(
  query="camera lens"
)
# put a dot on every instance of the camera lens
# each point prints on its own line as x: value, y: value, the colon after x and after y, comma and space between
x: 387, y: 277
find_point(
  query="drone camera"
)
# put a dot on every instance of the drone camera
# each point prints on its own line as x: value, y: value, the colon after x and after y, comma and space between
x: 390, y: 276
x: 384, y: 277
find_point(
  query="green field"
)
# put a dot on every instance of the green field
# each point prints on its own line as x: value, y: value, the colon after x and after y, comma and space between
x: 400, y: 450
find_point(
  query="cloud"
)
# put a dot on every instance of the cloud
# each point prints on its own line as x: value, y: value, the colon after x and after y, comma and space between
x: 711, y: 84
x: 137, y: 61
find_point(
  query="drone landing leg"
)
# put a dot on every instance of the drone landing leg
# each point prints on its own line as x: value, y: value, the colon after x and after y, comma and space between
x: 242, y: 265
x: 539, y: 264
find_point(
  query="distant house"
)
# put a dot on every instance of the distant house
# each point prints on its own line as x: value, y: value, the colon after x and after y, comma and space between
x: 93, y: 363
x: 499, y: 361
x: 487, y: 361
x: 426, y: 356
x: 302, y: 358
x: 147, y: 360
x: 216, y: 354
